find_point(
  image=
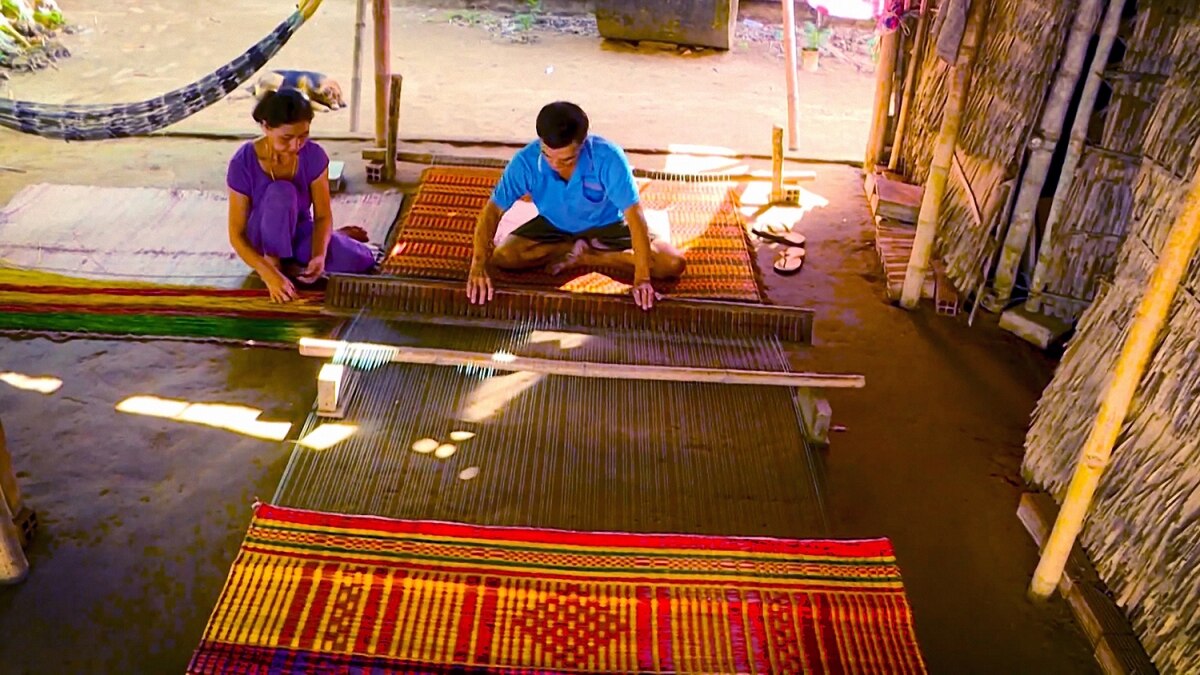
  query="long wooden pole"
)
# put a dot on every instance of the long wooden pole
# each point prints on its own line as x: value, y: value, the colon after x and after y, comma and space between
x: 1042, y: 147
x: 885, y: 71
x: 943, y: 157
x: 393, y: 130
x: 1148, y: 322
x: 382, y: 14
x: 360, y: 26
x: 910, y: 84
x: 508, y: 362
x: 1079, y: 127
x: 793, y: 88
x: 776, y: 165
x: 13, y: 564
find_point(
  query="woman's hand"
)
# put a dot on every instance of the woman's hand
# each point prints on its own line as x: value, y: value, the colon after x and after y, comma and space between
x: 479, y: 284
x: 281, y: 287
x: 643, y: 294
x: 314, y: 270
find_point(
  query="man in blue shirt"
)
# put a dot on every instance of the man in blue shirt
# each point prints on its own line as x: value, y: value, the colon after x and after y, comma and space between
x: 588, y: 211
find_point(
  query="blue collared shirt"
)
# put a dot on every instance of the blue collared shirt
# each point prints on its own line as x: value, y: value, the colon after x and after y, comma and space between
x: 600, y: 189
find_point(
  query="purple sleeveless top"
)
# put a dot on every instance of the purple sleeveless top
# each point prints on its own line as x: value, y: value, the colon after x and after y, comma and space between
x: 247, y: 177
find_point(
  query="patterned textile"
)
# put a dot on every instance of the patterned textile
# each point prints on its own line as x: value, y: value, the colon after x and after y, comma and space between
x: 705, y: 224
x: 101, y: 121
x: 318, y: 592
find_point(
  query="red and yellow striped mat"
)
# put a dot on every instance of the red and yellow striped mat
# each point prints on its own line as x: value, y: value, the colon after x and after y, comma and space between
x: 435, y: 236
x: 319, y: 592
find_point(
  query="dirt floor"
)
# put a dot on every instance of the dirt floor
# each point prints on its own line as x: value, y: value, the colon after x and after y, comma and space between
x: 143, y: 516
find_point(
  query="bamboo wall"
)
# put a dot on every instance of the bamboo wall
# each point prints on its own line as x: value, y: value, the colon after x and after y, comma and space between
x: 1144, y: 530
x: 1082, y: 250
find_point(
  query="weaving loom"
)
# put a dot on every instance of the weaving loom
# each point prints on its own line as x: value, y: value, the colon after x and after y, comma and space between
x: 101, y: 121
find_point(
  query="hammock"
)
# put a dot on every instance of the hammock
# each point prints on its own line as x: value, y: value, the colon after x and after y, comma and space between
x: 103, y: 121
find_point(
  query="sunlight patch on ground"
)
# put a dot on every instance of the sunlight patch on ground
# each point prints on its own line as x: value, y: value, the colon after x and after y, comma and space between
x: 494, y: 393
x: 237, y: 418
x: 327, y: 435
x: 42, y: 385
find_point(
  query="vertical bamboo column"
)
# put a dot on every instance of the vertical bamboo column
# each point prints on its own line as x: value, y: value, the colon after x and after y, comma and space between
x: 885, y: 70
x: 943, y: 157
x: 793, y: 93
x: 776, y: 165
x: 1148, y: 322
x: 393, y: 130
x: 1042, y: 148
x: 383, y: 66
x: 1079, y: 127
x: 910, y: 84
x: 13, y: 565
x: 360, y: 25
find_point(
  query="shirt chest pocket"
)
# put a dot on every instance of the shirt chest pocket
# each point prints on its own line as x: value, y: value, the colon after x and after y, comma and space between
x: 593, y: 190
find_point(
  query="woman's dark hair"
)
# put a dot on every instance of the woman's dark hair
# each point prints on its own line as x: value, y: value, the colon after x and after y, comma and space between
x: 286, y: 106
x: 560, y: 124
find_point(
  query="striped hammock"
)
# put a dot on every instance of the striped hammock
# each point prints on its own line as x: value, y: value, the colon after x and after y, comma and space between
x: 103, y: 121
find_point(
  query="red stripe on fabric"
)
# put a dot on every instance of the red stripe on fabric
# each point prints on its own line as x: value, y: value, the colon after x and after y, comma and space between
x: 291, y: 621
x: 738, y: 644
x: 316, y: 610
x: 756, y: 631
x: 370, y: 614
x: 644, y: 630
x: 487, y: 620
x: 666, y: 638
x: 808, y: 632
x: 468, y: 617
x: 826, y: 636
x: 391, y: 614
x: 864, y: 548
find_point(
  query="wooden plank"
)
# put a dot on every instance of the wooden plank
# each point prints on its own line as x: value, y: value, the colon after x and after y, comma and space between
x: 511, y: 363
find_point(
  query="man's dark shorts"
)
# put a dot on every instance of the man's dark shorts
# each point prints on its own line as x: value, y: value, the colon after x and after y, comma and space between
x: 613, y: 237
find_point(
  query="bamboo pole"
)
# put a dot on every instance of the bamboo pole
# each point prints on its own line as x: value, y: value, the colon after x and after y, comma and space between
x: 884, y: 73
x: 1138, y: 347
x: 360, y: 26
x: 1042, y: 147
x: 776, y: 165
x: 1079, y: 128
x: 507, y: 362
x: 13, y: 564
x: 793, y: 93
x: 393, y: 130
x: 383, y: 66
x: 943, y: 157
x: 910, y: 84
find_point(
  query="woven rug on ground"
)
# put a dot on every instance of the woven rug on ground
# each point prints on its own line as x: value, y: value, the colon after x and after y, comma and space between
x: 702, y: 216
x: 319, y: 592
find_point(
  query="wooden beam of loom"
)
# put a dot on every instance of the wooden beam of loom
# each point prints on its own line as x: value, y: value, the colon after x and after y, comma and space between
x: 618, y: 371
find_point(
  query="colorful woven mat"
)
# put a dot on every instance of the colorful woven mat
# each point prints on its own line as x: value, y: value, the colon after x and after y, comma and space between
x: 39, y: 303
x: 705, y: 223
x: 317, y: 592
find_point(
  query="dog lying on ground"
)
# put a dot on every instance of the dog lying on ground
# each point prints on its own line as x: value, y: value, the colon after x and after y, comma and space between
x: 322, y: 91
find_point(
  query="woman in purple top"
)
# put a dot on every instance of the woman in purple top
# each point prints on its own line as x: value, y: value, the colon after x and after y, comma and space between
x: 280, y: 221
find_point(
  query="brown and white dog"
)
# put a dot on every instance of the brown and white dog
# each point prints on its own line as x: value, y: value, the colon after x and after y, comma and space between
x: 322, y: 91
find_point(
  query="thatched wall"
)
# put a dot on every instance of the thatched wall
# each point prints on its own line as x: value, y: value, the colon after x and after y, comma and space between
x: 1144, y: 529
x: 1021, y: 43
x: 1082, y: 250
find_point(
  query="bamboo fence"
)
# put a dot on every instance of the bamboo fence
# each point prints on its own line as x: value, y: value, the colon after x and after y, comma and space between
x: 1144, y: 530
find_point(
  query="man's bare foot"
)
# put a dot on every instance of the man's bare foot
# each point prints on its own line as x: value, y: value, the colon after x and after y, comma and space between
x: 355, y: 232
x: 570, y: 258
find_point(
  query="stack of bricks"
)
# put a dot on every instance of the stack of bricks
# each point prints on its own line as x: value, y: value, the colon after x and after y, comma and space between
x: 895, y: 206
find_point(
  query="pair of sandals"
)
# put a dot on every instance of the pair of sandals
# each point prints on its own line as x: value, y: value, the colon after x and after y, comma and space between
x: 791, y: 259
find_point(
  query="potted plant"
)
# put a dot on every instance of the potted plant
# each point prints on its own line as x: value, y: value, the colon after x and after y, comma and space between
x: 816, y: 34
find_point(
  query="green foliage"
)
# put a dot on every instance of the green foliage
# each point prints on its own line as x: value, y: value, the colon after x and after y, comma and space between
x: 527, y: 17
x: 816, y: 36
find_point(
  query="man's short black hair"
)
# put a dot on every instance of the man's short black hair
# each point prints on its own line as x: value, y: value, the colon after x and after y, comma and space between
x: 560, y: 124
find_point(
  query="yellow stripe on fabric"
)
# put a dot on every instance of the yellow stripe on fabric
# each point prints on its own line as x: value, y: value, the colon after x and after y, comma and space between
x: 403, y: 615
x: 261, y: 633
x: 693, y: 554
x: 768, y: 602
x: 630, y: 637
x: 220, y: 627
x: 251, y: 609
x: 457, y: 592
x: 479, y: 590
x: 719, y: 616
x: 417, y: 591
x: 502, y: 571
x: 383, y: 618
x: 869, y: 626
x: 308, y: 603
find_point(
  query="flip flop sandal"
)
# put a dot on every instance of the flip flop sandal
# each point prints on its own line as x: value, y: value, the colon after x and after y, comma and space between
x: 790, y: 261
x: 787, y: 238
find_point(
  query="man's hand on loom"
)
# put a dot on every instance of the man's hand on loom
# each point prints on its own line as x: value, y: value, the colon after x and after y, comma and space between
x: 643, y: 294
x: 314, y: 270
x: 479, y: 286
x: 281, y: 288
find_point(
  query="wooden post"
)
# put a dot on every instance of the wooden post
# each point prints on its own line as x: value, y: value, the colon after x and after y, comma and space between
x: 776, y: 165
x: 1042, y: 147
x: 793, y: 94
x: 943, y: 157
x: 13, y: 565
x: 618, y: 371
x: 910, y: 84
x: 393, y: 130
x: 383, y: 66
x: 360, y: 25
x: 884, y: 72
x: 1079, y: 127
x: 1148, y: 322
